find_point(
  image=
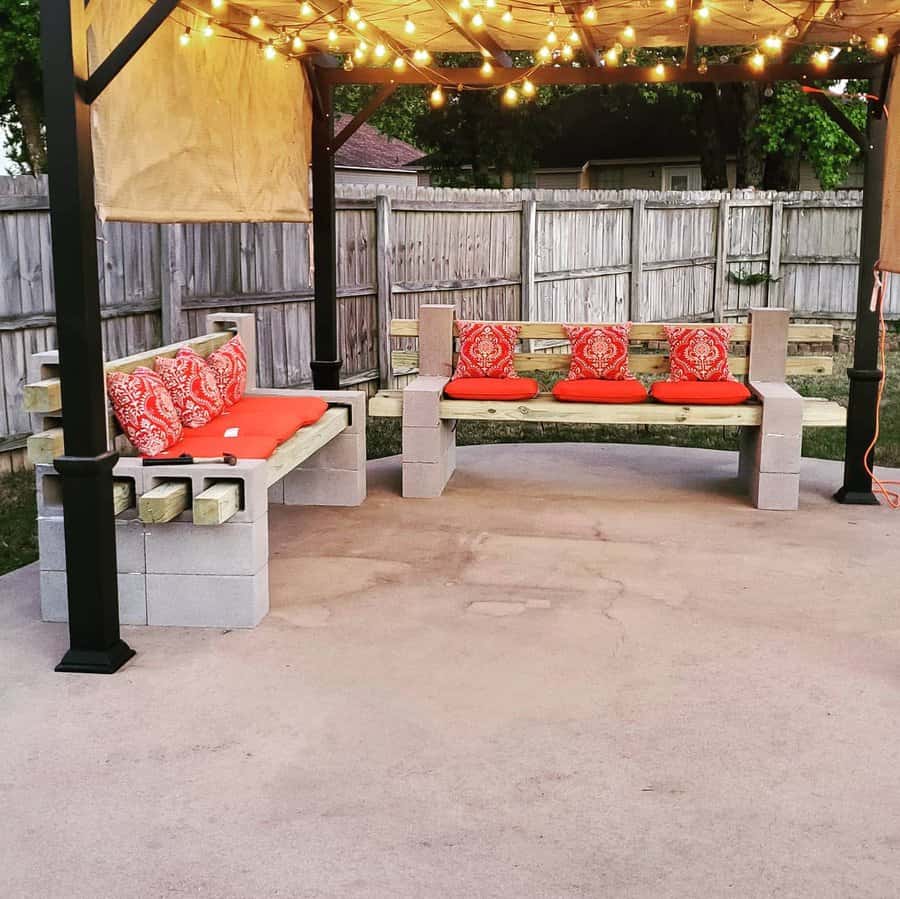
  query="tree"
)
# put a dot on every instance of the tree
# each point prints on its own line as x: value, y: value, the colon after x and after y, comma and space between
x: 21, y: 108
x: 395, y: 118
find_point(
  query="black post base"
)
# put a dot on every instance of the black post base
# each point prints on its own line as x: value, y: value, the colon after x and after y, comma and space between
x: 856, y: 497
x: 326, y: 374
x: 96, y: 661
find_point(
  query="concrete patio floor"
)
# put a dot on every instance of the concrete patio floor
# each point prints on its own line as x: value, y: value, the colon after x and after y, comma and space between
x: 585, y: 671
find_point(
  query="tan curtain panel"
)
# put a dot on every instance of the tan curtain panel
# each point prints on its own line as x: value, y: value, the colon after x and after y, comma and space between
x: 211, y: 132
x: 890, y: 210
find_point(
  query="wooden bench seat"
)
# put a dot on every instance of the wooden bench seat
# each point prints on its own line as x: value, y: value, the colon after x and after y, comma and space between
x: 765, y: 351
x: 192, y: 539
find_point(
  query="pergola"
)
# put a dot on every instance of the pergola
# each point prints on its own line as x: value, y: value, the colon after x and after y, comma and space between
x: 388, y: 44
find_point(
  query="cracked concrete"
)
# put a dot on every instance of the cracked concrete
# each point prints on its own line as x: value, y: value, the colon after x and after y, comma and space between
x: 690, y: 698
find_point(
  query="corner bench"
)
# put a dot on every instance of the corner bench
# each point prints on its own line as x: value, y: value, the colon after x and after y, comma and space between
x: 192, y: 539
x: 770, y: 424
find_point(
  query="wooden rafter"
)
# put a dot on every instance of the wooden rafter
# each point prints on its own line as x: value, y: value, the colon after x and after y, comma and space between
x: 590, y: 37
x: 384, y: 93
x: 690, y: 44
x: 480, y: 38
x: 814, y: 12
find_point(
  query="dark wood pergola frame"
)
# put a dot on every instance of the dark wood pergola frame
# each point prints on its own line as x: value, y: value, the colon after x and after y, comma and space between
x: 87, y: 464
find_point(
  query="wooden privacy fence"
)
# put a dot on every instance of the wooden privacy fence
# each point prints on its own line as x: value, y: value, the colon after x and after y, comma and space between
x: 504, y: 254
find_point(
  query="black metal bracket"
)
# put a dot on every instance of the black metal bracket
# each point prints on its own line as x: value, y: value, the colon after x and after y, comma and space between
x: 326, y: 374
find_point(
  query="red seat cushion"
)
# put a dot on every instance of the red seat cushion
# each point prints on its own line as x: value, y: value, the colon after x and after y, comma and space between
x: 700, y: 393
x: 207, y: 447
x: 266, y: 416
x: 594, y: 390
x: 492, y: 389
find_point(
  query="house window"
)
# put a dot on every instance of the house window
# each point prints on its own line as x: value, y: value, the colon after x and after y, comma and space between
x: 607, y: 177
x: 681, y: 177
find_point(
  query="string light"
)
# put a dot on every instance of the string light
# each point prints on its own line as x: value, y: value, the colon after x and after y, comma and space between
x: 361, y: 25
x: 552, y: 37
x: 409, y: 26
x: 332, y: 36
x: 217, y: 4
x: 477, y: 20
x: 348, y: 63
x: 437, y: 97
x: 399, y: 64
x: 772, y: 43
x: 703, y: 12
x: 510, y: 96
x: 255, y: 20
x: 856, y: 39
x: 880, y: 42
x: 422, y: 55
x: 659, y: 70
x: 380, y: 51
x: 758, y: 61
x: 574, y: 37
x: 490, y: 4
x: 297, y: 43
x: 359, y: 54
x: 589, y: 15
x: 670, y: 4
x: 821, y: 58
x: 352, y: 14
x: 544, y: 54
x: 507, y: 16
x: 835, y: 14
x: 567, y: 53
x: 487, y: 69
x: 527, y: 88
x: 612, y: 56
x: 465, y: 4
x: 306, y: 10
x: 792, y: 30
x: 702, y: 66
x: 208, y: 30
x: 628, y: 32
x: 185, y: 38
x: 270, y: 52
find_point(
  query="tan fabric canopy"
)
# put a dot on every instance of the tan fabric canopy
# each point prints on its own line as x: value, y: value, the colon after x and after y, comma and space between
x: 218, y: 133
x: 890, y: 215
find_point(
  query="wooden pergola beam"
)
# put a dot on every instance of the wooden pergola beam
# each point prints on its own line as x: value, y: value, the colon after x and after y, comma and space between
x: 815, y: 12
x: 590, y: 37
x: 480, y: 39
x: 839, y: 117
x: 607, y: 75
x: 384, y: 93
x: 690, y: 44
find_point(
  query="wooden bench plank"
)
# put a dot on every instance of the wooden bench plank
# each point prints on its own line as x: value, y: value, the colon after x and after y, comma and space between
x: 164, y: 502
x: 45, y: 446
x: 217, y: 503
x: 640, y: 331
x: 816, y: 412
x: 42, y: 396
x: 123, y: 495
x: 639, y: 363
x: 304, y: 443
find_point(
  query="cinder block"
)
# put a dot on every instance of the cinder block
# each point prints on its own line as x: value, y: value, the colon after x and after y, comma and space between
x: 748, y: 454
x: 132, y: 597
x: 129, y: 543
x: 346, y: 451
x: 43, y: 365
x: 250, y: 472
x: 775, y: 492
x: 428, y: 444
x: 424, y: 480
x: 324, y: 487
x: 421, y: 402
x: 48, y: 489
x: 356, y: 399
x: 192, y: 600
x: 768, y: 344
x: 276, y: 493
x: 227, y: 549
x: 779, y: 455
x: 436, y: 340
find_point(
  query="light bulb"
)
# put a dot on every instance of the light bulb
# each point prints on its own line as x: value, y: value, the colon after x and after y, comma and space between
x: 772, y: 43
x: 352, y: 14
x: 792, y: 30
x: 490, y: 4
x: 527, y: 88
x: 856, y: 39
x: 399, y: 64
x: 361, y: 25
x: 208, y: 30
x: 703, y: 13
x: 552, y: 37
x: 478, y: 20
x: 611, y: 56
x: 305, y: 9
x: 297, y: 43
x: 255, y: 21
x: 702, y: 66
x: 567, y: 51
x: 380, y: 51
x: 659, y: 69
x: 422, y: 55
x: 589, y: 15
x: 270, y: 52
x: 487, y: 69
x: 670, y: 4
x: 437, y: 97
x: 409, y: 26
x: 465, y: 4
x: 880, y: 42
x: 821, y: 58
x: 544, y: 54
x: 185, y: 38
x: 217, y: 4
x: 628, y: 32
x: 510, y: 96
x: 574, y: 37
x: 332, y: 36
x: 348, y: 63
x: 507, y: 16
x: 758, y: 61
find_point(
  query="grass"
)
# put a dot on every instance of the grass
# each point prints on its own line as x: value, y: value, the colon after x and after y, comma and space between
x: 822, y: 443
x: 18, y: 520
x: 18, y: 534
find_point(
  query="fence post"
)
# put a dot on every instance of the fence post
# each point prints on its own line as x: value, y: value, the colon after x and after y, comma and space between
x: 773, y: 287
x: 721, y: 260
x: 527, y: 265
x: 633, y: 306
x: 171, y: 282
x: 384, y: 284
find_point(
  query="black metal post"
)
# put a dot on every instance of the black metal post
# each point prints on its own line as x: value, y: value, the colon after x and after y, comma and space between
x: 865, y: 375
x: 326, y: 366
x: 86, y: 467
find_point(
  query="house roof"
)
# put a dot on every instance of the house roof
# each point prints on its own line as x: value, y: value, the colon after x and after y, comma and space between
x: 370, y: 149
x: 603, y: 123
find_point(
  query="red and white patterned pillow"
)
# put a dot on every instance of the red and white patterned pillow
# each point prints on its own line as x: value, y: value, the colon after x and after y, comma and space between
x: 144, y: 410
x: 192, y: 386
x: 698, y: 354
x: 486, y: 350
x: 229, y: 364
x: 599, y: 352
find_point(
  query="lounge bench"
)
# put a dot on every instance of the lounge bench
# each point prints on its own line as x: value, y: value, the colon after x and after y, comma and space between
x: 770, y: 424
x: 192, y: 539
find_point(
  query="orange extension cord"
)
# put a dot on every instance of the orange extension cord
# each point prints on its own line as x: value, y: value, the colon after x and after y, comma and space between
x: 891, y: 497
